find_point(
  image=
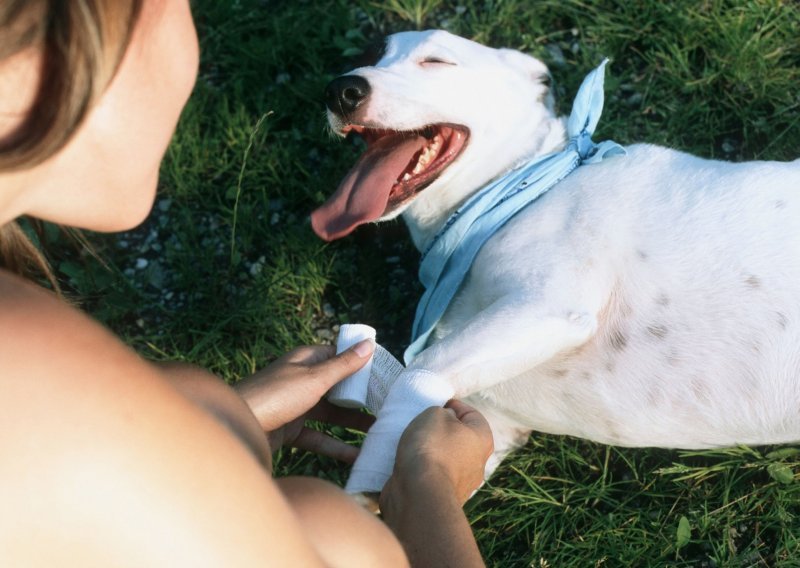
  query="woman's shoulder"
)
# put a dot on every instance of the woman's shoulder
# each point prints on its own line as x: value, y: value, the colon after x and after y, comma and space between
x: 38, y: 330
x: 98, y: 436
x: 58, y: 359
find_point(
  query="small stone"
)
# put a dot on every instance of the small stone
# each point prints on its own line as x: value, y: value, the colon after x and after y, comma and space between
x: 557, y: 58
x: 635, y: 99
x: 256, y: 268
x: 324, y: 334
x: 141, y: 263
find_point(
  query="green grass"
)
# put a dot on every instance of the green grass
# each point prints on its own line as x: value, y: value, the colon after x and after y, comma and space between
x: 234, y: 276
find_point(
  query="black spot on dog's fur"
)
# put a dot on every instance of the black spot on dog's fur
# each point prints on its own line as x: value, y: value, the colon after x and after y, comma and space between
x: 700, y: 391
x: 658, y: 330
x: 617, y: 340
x: 753, y: 282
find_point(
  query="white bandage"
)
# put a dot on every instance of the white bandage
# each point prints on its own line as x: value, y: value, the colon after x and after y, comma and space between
x: 413, y: 392
x: 396, y: 395
x: 352, y: 391
x: 368, y: 386
x: 385, y: 370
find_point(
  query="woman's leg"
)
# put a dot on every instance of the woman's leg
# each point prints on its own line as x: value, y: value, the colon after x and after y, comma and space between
x: 342, y: 532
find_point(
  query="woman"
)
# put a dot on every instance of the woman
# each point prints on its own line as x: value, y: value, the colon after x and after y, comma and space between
x: 108, y: 460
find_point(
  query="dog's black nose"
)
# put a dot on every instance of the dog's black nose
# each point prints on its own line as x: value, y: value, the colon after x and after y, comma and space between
x: 345, y: 94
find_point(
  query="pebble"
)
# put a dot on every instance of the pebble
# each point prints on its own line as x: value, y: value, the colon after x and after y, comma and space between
x: 557, y: 58
x: 324, y: 334
x: 728, y: 147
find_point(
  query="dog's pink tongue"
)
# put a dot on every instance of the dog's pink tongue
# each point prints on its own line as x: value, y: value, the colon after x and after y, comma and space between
x: 363, y: 194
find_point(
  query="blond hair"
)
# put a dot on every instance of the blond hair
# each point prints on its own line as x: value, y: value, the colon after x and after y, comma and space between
x: 82, y: 43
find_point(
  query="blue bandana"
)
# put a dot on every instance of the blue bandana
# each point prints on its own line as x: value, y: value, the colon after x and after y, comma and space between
x: 447, y: 260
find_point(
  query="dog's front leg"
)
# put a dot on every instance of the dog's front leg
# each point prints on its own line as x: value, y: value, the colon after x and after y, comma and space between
x: 486, y: 351
x: 505, y: 340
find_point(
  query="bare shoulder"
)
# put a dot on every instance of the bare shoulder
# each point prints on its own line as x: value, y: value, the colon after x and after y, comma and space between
x: 100, y: 455
x: 39, y: 331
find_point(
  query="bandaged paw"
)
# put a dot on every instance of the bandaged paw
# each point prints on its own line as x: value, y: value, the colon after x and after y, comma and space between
x: 414, y: 391
x: 396, y: 395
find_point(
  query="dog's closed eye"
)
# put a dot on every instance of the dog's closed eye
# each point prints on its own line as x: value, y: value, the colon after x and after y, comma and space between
x: 432, y: 60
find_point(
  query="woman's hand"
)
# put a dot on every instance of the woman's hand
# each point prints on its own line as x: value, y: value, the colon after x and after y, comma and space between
x: 447, y: 447
x: 289, y: 391
x: 440, y: 462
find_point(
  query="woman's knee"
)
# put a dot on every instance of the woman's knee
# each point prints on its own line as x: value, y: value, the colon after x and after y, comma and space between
x: 342, y: 532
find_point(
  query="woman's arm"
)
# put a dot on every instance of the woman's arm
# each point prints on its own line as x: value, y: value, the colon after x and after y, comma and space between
x: 439, y: 464
x: 427, y: 518
x: 277, y: 400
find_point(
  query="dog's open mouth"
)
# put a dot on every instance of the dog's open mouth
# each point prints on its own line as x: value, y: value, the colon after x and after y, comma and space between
x: 395, y: 167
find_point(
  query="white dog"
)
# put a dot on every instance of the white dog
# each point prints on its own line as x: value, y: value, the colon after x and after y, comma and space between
x: 650, y: 299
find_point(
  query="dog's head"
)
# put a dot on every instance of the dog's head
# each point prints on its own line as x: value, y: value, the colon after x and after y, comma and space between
x: 441, y: 116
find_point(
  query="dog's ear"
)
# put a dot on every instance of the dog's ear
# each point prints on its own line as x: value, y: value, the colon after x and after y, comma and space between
x: 535, y: 70
x: 373, y: 52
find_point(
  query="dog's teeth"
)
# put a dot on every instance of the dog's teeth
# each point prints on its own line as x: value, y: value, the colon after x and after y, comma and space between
x: 427, y: 155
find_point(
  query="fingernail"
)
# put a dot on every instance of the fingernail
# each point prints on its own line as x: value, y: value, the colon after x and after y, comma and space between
x: 364, y: 348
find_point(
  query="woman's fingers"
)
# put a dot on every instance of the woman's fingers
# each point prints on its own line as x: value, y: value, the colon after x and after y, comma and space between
x: 345, y: 417
x: 468, y: 415
x: 309, y: 354
x: 335, y: 369
x: 315, y: 441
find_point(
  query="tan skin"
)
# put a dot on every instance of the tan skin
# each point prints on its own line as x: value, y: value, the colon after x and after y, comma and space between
x: 109, y: 460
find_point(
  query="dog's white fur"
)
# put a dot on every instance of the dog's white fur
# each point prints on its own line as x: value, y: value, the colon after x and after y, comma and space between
x: 648, y: 300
